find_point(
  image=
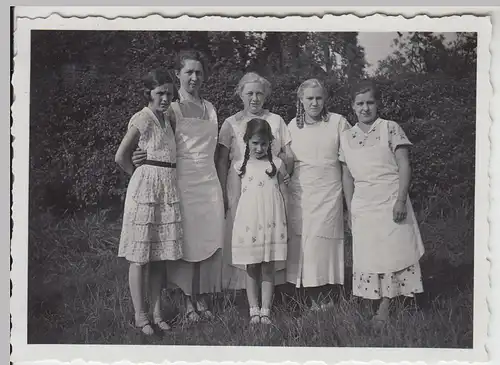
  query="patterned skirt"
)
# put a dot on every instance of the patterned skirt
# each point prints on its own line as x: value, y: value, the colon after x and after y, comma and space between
x: 407, y: 282
x: 152, y: 227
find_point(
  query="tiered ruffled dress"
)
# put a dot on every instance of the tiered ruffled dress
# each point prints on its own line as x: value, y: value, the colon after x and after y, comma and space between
x: 152, y: 228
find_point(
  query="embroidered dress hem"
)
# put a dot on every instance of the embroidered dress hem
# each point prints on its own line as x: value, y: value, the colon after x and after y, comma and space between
x: 272, y: 251
x: 406, y: 282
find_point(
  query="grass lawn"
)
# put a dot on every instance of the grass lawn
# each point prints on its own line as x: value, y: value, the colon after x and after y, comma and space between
x: 78, y: 294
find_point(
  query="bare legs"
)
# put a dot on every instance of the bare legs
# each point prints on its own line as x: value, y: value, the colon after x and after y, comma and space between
x: 137, y: 274
x: 265, y: 271
x: 196, y: 302
x: 383, y: 310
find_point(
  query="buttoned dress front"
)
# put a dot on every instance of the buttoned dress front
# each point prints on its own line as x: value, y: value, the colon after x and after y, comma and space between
x: 385, y: 253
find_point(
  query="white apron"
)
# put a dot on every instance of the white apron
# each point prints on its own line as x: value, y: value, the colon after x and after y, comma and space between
x: 379, y: 244
x: 315, y: 214
x: 199, y: 187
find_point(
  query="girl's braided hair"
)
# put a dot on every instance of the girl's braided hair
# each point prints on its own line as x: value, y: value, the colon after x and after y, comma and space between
x: 300, y: 116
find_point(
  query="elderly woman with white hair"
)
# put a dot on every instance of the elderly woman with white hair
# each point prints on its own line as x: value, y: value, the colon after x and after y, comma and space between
x: 253, y: 90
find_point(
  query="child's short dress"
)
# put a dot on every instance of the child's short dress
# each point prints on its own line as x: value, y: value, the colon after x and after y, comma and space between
x: 152, y: 228
x: 385, y: 254
x: 260, y: 225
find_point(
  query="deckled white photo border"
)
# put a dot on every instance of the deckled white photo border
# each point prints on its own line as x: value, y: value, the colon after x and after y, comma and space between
x: 141, y: 354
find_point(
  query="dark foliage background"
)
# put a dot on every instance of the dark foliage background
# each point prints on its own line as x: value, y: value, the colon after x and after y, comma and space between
x: 85, y: 87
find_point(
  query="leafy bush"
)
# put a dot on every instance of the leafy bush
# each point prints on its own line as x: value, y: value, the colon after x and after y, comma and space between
x: 81, y: 103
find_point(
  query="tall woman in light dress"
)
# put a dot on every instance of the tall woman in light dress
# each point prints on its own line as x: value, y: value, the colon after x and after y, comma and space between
x: 376, y: 174
x: 196, y: 129
x: 315, y: 214
x: 253, y: 90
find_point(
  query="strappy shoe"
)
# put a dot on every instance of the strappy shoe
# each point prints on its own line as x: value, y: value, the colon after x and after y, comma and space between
x: 161, y: 324
x: 379, y: 321
x: 265, y: 316
x: 254, y: 315
x: 328, y: 305
x: 205, y: 313
x: 191, y: 316
x: 142, y: 322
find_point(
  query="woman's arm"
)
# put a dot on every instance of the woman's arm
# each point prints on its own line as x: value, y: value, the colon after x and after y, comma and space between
x: 399, y: 211
x: 222, y: 167
x: 171, y: 118
x: 283, y: 180
x: 123, y: 155
x: 403, y: 161
x: 347, y: 185
x: 287, y: 157
x: 283, y: 176
x: 348, y: 189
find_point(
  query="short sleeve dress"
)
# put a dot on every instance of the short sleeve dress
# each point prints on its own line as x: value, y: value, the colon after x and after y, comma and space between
x: 152, y: 229
x: 231, y: 136
x: 315, y: 204
x: 385, y: 254
x: 260, y: 226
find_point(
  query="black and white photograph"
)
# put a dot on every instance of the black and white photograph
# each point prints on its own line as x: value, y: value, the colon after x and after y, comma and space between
x: 269, y: 187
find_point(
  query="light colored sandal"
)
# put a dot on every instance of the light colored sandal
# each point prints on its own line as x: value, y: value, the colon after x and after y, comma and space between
x: 142, y: 322
x: 158, y: 321
x: 205, y: 313
x: 191, y: 316
x: 265, y: 316
x: 254, y: 315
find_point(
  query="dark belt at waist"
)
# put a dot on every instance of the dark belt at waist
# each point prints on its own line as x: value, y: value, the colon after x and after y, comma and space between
x: 171, y: 165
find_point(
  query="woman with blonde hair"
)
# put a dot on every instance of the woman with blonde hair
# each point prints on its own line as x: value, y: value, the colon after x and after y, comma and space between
x: 253, y: 91
x: 315, y: 208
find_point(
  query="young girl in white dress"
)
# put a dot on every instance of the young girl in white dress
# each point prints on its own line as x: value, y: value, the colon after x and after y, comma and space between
x: 151, y: 232
x: 260, y: 227
x: 376, y: 176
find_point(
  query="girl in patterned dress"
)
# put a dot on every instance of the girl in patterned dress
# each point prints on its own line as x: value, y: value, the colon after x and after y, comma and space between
x: 376, y: 176
x: 260, y: 228
x: 151, y: 232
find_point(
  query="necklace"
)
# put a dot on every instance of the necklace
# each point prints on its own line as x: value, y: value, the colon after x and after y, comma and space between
x: 309, y: 120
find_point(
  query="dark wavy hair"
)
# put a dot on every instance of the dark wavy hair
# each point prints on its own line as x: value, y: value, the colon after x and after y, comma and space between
x: 260, y: 127
x: 194, y: 55
x: 364, y: 86
x: 156, y: 78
